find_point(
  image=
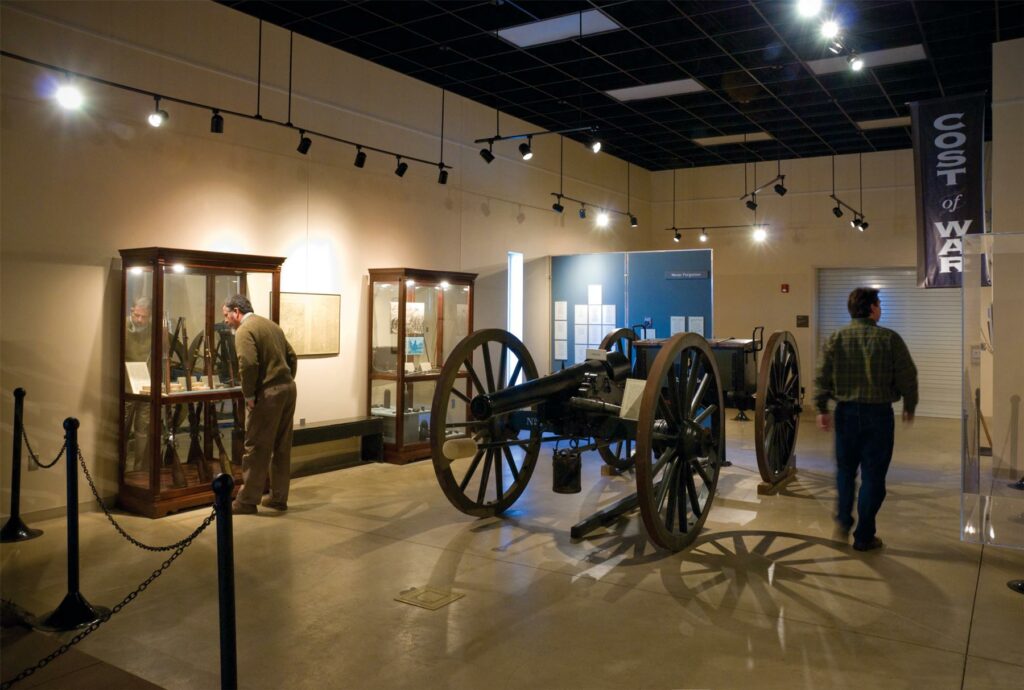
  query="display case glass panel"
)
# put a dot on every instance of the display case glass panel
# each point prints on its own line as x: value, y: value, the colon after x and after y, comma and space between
x: 183, y: 419
x: 416, y: 318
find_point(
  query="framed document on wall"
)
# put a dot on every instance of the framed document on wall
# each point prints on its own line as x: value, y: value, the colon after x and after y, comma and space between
x: 312, y: 322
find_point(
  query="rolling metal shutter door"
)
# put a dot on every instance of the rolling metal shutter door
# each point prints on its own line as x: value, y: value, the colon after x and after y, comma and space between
x: 929, y: 321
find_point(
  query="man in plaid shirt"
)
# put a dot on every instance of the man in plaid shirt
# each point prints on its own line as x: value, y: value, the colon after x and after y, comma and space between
x: 864, y: 368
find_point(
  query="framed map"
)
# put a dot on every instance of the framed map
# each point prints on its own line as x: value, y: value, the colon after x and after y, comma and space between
x: 312, y: 322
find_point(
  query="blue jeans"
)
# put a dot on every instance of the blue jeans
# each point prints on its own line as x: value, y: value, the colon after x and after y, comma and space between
x: 864, y: 439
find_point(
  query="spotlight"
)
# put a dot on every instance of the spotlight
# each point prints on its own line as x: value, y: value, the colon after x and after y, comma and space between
x: 525, y: 150
x: 557, y: 206
x: 594, y: 144
x: 856, y: 62
x: 780, y: 188
x: 853, y: 223
x: 863, y: 225
x: 602, y: 219
x: 69, y: 97
x: 360, y: 160
x: 442, y: 175
x: 808, y: 8
x: 583, y: 212
x: 752, y: 202
x: 217, y: 123
x: 632, y: 221
x: 158, y: 116
x: 486, y: 153
x: 703, y: 235
x: 402, y: 166
x: 829, y: 29
x: 837, y: 212
x: 304, y: 143
x: 835, y: 46
x: 760, y: 234
x: 676, y: 237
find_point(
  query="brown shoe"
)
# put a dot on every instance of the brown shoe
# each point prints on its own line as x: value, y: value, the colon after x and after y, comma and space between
x: 243, y: 508
x: 271, y: 503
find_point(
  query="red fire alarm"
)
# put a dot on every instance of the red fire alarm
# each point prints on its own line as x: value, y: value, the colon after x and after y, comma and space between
x: 785, y: 287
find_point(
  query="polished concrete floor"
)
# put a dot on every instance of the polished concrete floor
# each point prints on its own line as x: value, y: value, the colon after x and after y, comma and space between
x: 765, y: 598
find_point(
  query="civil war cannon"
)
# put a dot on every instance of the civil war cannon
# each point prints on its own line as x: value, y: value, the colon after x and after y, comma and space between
x: 653, y: 405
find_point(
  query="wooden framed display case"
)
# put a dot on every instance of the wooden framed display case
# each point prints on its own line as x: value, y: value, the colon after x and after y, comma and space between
x: 416, y: 319
x: 181, y: 407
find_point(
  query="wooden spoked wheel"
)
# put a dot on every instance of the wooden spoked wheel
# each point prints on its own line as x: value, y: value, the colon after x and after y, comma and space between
x: 777, y: 413
x: 680, y: 442
x: 482, y: 465
x: 619, y: 454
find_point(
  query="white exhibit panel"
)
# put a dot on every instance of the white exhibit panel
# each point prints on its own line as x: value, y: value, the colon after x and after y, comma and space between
x: 992, y: 499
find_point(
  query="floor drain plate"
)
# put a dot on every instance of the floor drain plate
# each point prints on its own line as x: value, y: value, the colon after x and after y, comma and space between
x: 427, y: 597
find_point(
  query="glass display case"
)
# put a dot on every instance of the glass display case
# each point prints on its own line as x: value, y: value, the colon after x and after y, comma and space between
x: 416, y: 318
x: 181, y: 407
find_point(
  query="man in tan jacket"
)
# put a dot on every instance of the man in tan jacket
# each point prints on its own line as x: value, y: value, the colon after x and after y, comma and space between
x: 267, y: 365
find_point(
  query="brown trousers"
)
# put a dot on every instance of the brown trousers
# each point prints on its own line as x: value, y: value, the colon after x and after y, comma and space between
x: 268, y: 432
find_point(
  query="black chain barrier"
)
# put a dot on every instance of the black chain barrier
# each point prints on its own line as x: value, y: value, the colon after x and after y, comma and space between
x: 93, y: 627
x: 120, y: 530
x: 35, y: 458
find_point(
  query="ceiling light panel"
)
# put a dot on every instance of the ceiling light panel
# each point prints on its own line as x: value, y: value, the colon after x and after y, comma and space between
x: 875, y: 58
x: 733, y: 139
x: 885, y: 123
x: 558, y: 29
x: 660, y: 90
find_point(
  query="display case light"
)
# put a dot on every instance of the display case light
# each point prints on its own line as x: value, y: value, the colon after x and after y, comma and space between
x: 178, y: 268
x: 410, y: 282
x: 135, y: 270
x: 444, y: 285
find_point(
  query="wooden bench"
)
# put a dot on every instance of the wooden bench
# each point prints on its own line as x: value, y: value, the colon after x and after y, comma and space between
x: 370, y: 431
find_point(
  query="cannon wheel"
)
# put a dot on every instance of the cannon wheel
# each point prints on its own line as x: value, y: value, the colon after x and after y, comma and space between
x: 680, y: 441
x: 485, y: 481
x: 619, y: 454
x: 777, y: 414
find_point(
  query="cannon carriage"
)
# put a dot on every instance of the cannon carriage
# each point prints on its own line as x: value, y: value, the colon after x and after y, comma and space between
x: 656, y: 406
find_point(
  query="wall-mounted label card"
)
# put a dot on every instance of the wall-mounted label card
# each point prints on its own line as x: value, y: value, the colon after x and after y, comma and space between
x: 580, y: 313
x: 594, y: 294
x: 594, y: 313
x: 697, y: 325
x: 608, y: 315
x: 580, y: 333
x: 676, y: 324
x: 561, y: 350
x: 561, y: 330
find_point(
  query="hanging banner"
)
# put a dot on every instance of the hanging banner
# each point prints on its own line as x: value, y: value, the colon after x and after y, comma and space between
x: 949, y: 140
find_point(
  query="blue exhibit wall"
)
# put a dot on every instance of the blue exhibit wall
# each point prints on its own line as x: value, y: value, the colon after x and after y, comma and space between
x: 570, y: 277
x: 670, y: 283
x: 658, y: 284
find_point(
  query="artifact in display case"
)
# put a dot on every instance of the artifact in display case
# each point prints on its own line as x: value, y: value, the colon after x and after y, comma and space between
x: 416, y: 318
x: 180, y: 394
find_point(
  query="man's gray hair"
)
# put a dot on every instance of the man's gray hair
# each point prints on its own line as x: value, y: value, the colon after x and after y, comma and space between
x: 239, y: 302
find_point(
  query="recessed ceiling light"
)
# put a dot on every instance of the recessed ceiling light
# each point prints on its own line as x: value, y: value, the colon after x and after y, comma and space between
x: 733, y: 139
x: 874, y: 58
x: 659, y: 90
x: 885, y: 123
x: 559, y: 28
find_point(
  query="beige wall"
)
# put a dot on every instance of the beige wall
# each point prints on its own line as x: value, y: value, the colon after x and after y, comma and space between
x: 77, y: 187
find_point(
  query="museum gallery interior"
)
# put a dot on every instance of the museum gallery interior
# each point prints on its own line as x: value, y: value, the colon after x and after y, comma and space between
x: 558, y: 276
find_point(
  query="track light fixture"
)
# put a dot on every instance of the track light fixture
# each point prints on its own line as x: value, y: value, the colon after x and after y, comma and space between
x: 854, y: 222
x: 703, y: 235
x: 525, y: 149
x: 304, y: 143
x: 830, y: 29
x: 487, y: 154
x: 401, y: 167
x: 442, y: 174
x: 360, y: 160
x: 632, y: 221
x: 217, y: 122
x: 780, y: 187
x: 856, y: 62
x: 836, y: 47
x: 752, y: 202
x: 594, y: 144
x: 69, y: 97
x: 158, y: 116
x: 583, y: 211
x: 837, y: 212
x: 676, y: 237
x: 863, y: 225
x: 808, y: 8
x: 602, y: 219
x: 760, y: 233
x: 557, y: 206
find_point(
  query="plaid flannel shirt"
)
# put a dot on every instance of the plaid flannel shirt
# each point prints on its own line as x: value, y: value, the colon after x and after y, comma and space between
x: 867, y: 363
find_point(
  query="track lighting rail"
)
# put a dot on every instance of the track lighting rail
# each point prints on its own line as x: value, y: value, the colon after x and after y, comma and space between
x: 559, y: 197
x: 781, y: 179
x: 530, y: 135
x: 217, y: 110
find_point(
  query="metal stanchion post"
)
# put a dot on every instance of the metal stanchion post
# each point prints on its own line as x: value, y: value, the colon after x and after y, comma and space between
x: 74, y: 612
x: 223, y: 485
x: 15, y: 529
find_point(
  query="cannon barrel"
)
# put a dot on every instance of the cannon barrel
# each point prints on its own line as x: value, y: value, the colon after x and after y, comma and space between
x: 568, y: 380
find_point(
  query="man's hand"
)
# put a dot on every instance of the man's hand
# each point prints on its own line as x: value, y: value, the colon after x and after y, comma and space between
x: 250, y: 403
x: 908, y: 418
x: 825, y: 421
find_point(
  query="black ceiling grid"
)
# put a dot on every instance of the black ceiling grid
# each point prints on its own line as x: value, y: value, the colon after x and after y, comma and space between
x: 752, y: 56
